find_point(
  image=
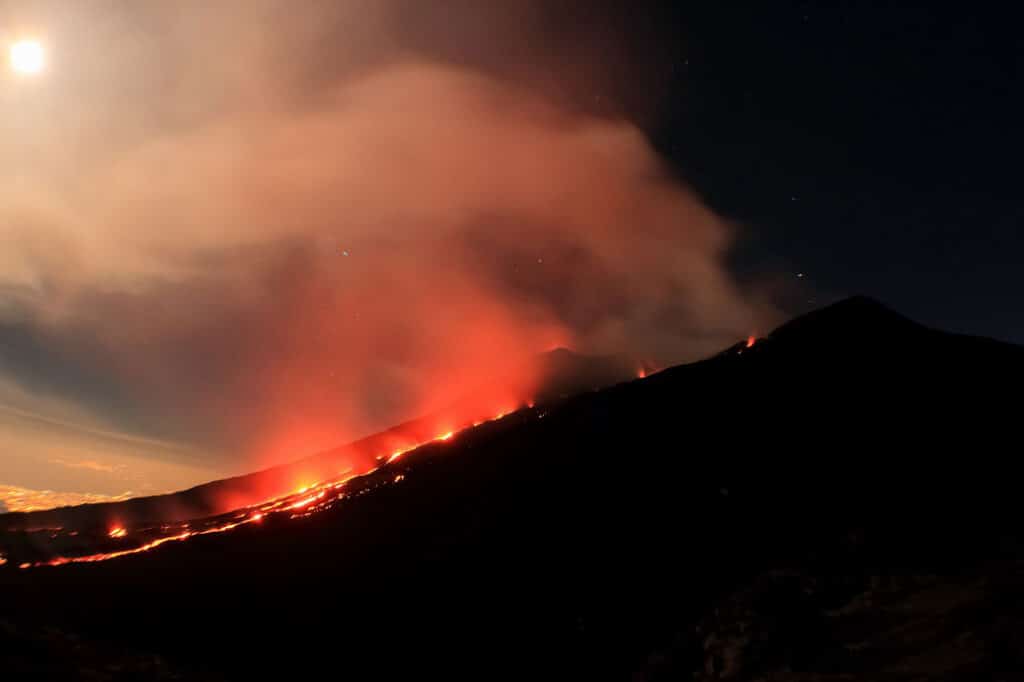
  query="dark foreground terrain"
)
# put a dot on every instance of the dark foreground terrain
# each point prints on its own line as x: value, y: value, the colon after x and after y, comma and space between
x: 838, y: 502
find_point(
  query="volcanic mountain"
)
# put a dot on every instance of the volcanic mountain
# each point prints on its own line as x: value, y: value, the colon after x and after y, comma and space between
x: 549, y: 377
x: 833, y: 502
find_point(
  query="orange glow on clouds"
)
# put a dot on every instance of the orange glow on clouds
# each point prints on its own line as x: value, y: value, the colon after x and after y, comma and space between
x: 18, y: 499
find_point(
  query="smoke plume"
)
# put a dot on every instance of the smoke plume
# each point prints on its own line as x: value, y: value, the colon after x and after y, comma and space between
x: 260, y: 229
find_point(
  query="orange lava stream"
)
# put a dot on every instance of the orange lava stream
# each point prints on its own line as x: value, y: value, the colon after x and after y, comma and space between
x: 60, y: 561
x: 308, y: 501
x: 316, y: 501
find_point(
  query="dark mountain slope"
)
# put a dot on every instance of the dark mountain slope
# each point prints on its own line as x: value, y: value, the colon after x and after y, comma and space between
x: 627, y: 532
x: 553, y: 376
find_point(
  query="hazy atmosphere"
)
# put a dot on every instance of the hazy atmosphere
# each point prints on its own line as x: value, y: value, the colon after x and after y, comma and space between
x: 236, y: 233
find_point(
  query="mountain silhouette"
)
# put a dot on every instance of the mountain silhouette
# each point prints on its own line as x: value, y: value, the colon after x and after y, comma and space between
x: 832, y: 502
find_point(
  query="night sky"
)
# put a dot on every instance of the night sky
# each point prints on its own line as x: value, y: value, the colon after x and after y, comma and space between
x: 237, y: 232
x: 873, y: 146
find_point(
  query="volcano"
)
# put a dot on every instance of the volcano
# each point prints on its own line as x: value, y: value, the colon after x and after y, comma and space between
x: 833, y: 501
x: 550, y: 377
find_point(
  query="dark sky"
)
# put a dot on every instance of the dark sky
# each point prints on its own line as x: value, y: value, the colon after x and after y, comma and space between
x: 873, y: 146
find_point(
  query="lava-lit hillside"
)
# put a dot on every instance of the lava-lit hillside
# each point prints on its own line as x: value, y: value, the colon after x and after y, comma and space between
x: 549, y: 377
x: 727, y: 519
x: 37, y: 546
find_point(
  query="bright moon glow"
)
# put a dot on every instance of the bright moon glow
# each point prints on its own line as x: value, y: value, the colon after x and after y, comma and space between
x: 27, y: 57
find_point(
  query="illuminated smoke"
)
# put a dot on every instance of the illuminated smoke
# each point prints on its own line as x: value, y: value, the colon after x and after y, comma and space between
x: 293, y: 244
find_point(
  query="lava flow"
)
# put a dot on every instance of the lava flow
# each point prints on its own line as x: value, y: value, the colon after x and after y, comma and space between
x: 306, y: 500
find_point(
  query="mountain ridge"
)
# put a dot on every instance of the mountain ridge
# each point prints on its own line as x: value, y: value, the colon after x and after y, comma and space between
x: 629, y: 531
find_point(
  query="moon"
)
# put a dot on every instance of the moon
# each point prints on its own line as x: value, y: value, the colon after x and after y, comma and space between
x: 27, y: 57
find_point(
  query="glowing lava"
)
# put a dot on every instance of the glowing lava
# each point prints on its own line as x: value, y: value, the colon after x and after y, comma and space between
x: 91, y: 558
x: 751, y: 340
x: 308, y: 499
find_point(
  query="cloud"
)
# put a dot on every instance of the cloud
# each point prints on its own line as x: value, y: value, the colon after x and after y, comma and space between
x: 87, y: 464
x: 16, y: 499
x: 278, y: 258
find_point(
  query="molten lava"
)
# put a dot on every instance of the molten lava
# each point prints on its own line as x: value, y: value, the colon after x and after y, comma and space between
x: 60, y: 561
x: 305, y: 500
x: 751, y: 340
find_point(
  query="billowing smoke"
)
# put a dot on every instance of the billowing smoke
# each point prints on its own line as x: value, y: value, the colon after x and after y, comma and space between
x: 264, y: 229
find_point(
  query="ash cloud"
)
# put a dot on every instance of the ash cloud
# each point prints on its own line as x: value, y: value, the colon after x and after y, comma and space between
x: 260, y: 247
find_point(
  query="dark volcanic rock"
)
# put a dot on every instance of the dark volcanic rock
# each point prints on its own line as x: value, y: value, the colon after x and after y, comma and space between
x: 50, y: 654
x: 950, y: 628
x: 834, y: 503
